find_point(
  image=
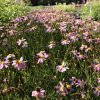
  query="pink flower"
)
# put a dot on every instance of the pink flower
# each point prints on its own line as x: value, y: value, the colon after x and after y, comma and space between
x: 32, y: 29
x: 78, y: 22
x: 80, y: 83
x: 88, y: 49
x: 19, y: 64
x: 64, y: 42
x: 51, y: 45
x: 77, y: 82
x: 22, y: 42
x: 34, y: 94
x: 11, y: 32
x: 78, y: 55
x: 10, y: 56
x: 96, y: 67
x: 40, y: 60
x: 97, y: 91
x: 86, y: 34
x: 63, y: 88
x: 74, y: 52
x: 1, y: 64
x: 73, y: 36
x: 83, y: 47
x: 4, y: 64
x: 49, y: 29
x: 62, y: 68
x: 42, y: 56
x: 63, y: 26
x: 60, y: 88
x: 40, y: 93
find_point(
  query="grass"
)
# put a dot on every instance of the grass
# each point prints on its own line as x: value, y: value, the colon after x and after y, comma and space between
x: 10, y: 10
x: 91, y: 10
x: 67, y: 8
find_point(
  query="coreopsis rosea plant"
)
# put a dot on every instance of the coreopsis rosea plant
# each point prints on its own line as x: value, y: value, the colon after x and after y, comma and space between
x: 62, y: 68
x: 97, y: 90
x: 22, y: 42
x: 42, y: 56
x: 4, y: 64
x: 19, y: 64
x: 38, y: 93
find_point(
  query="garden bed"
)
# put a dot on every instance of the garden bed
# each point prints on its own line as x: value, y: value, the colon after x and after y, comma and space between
x: 49, y: 54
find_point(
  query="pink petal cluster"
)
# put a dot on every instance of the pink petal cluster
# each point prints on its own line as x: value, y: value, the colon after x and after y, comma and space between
x: 63, y: 26
x: 78, y: 55
x: 62, y: 67
x: 22, y: 42
x: 96, y: 67
x: 51, y: 45
x: 4, y: 64
x: 73, y: 36
x: 61, y: 89
x: 85, y: 47
x: 64, y: 42
x: 77, y: 82
x: 97, y: 91
x: 19, y: 64
x: 39, y: 93
x: 42, y: 56
x: 10, y: 56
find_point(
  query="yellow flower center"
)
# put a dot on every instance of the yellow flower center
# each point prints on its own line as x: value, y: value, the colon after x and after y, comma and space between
x: 42, y: 56
x: 68, y: 86
x: 97, y: 88
x: 19, y: 61
x: 62, y: 88
x: 2, y: 62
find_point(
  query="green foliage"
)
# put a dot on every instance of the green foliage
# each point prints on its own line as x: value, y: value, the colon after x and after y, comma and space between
x: 96, y: 11
x: 67, y: 8
x: 10, y: 10
x: 92, y: 10
x: 36, y: 7
x: 27, y: 2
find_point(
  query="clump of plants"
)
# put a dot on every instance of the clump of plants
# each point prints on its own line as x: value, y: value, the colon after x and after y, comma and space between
x: 49, y: 54
x: 10, y: 10
x: 68, y: 8
x: 92, y: 9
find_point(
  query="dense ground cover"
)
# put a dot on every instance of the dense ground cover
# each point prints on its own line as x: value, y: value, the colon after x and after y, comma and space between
x: 92, y: 9
x: 10, y: 10
x: 49, y: 54
x: 83, y: 10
